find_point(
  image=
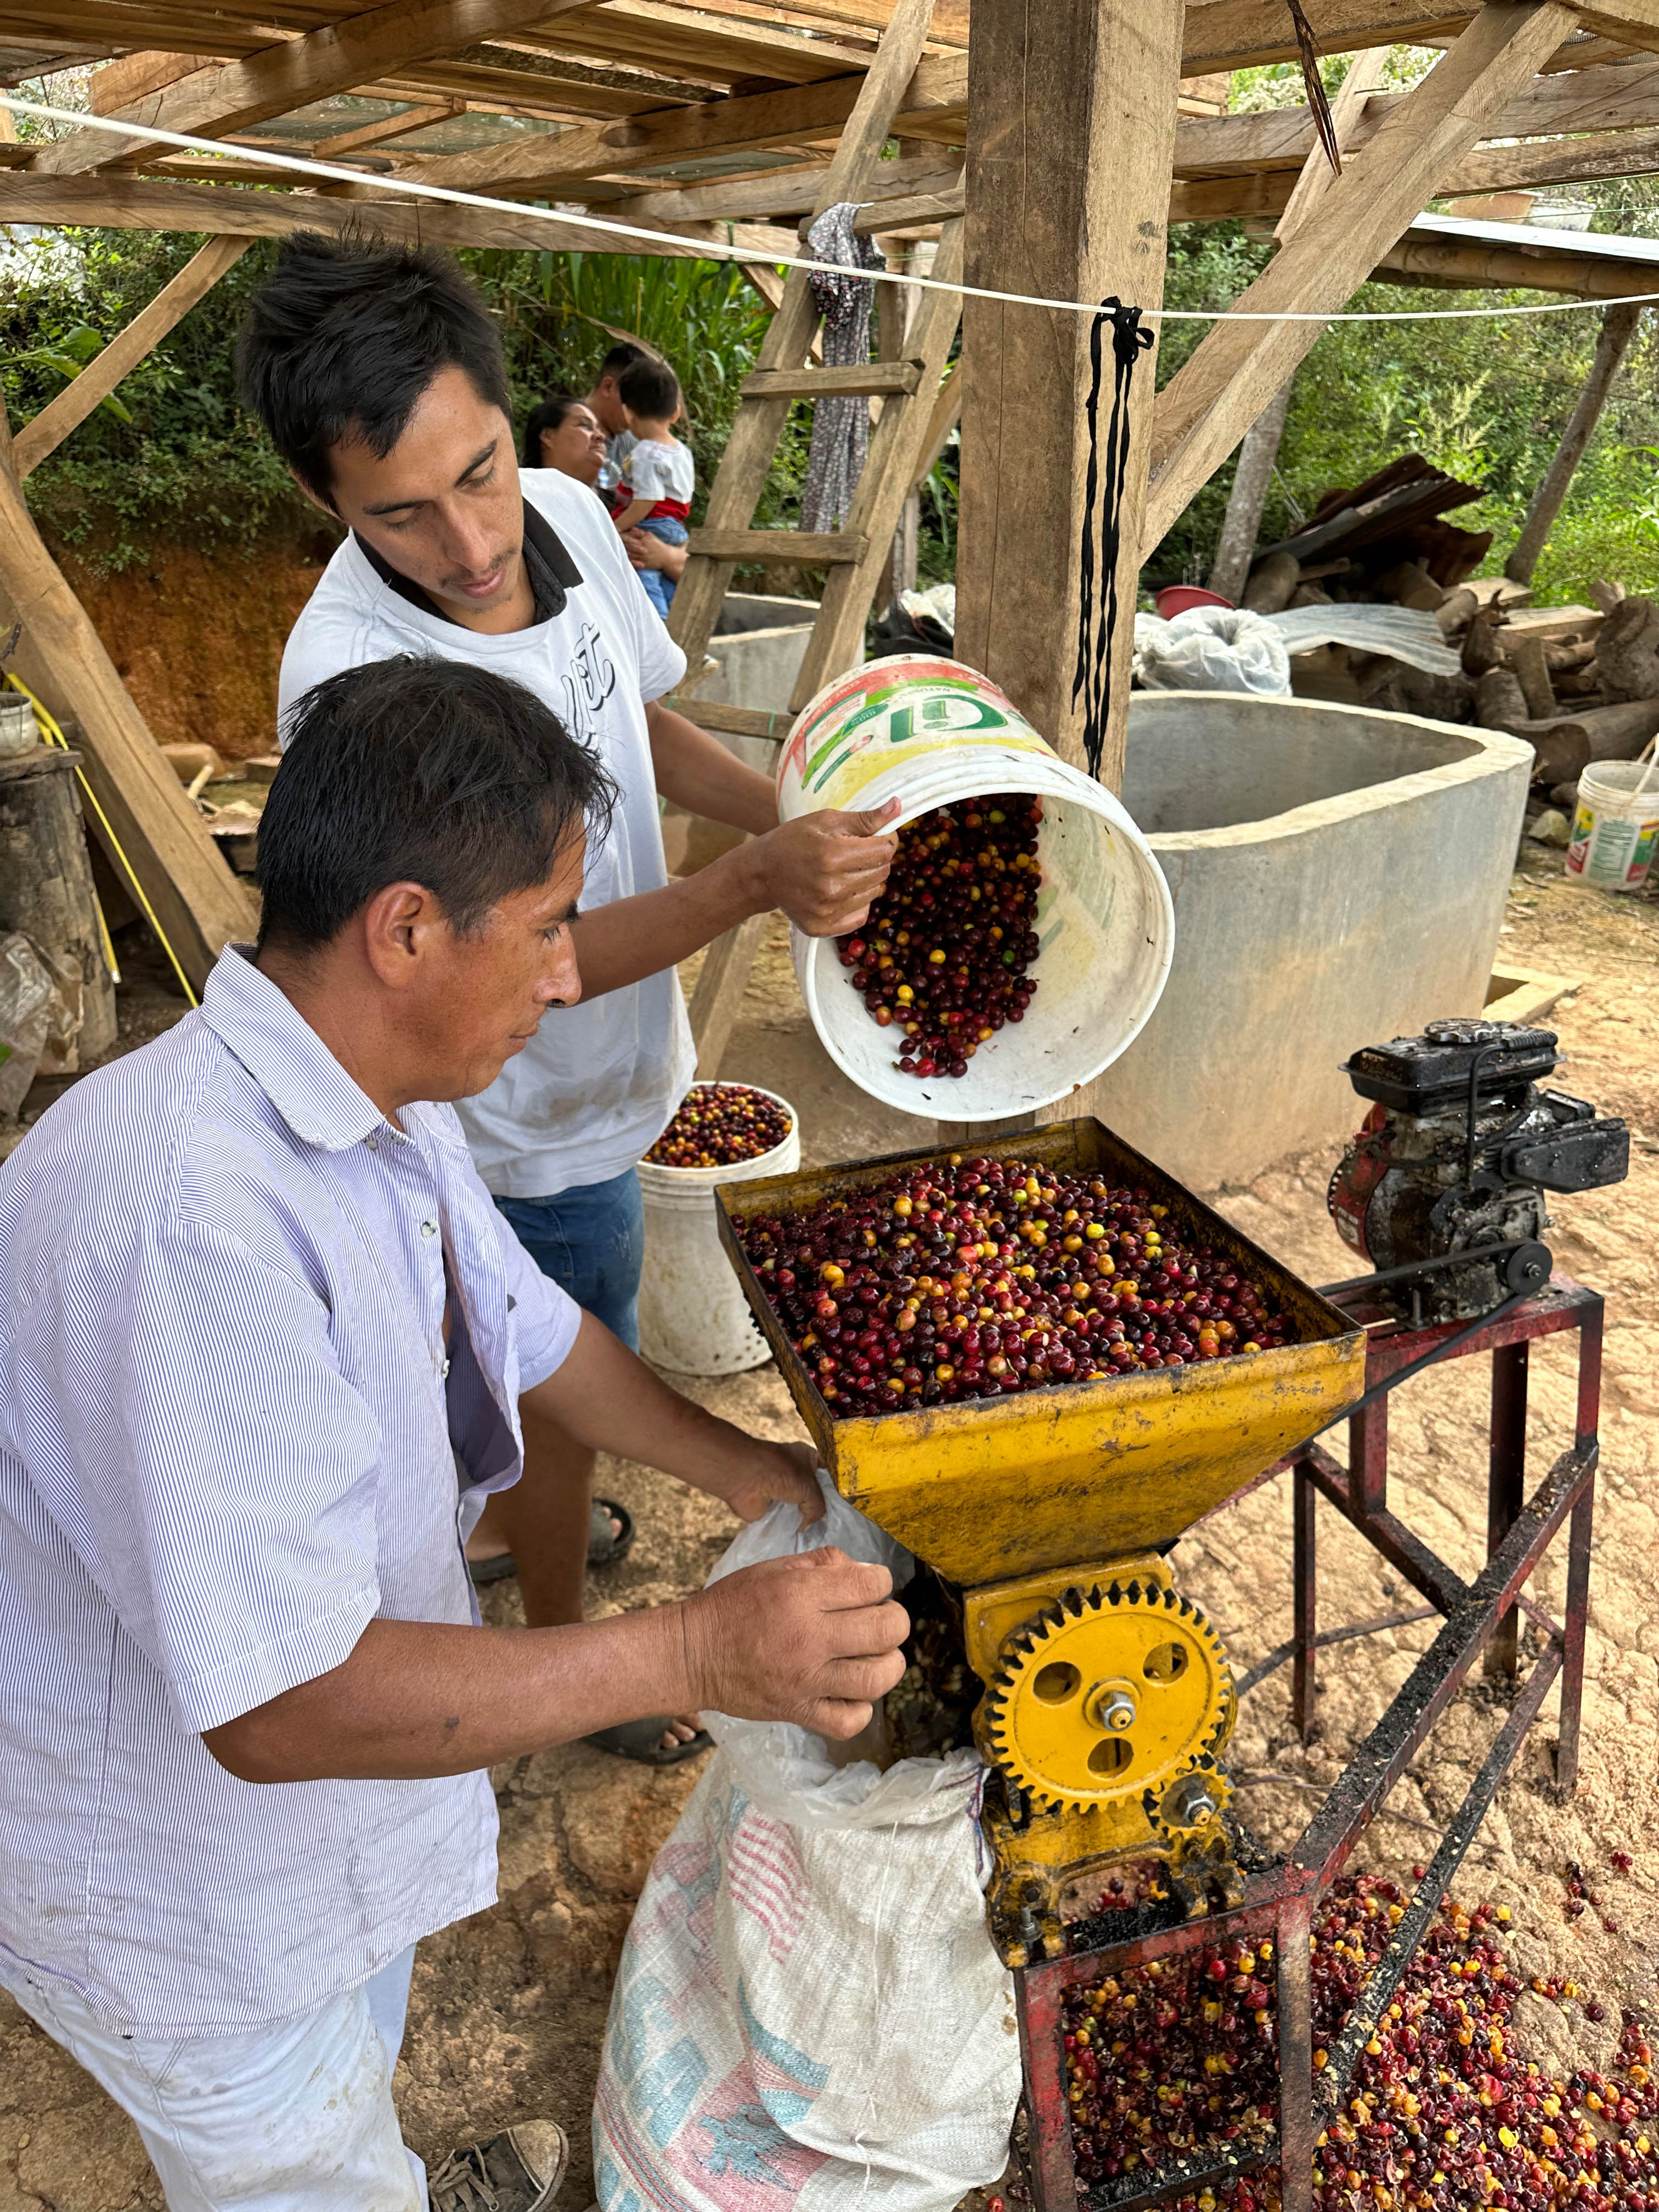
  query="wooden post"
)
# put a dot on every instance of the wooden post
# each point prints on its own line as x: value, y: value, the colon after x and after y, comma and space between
x: 1260, y: 450
x: 1242, y: 523
x: 1070, y: 138
x: 1617, y: 329
x: 197, y: 900
x: 45, y: 886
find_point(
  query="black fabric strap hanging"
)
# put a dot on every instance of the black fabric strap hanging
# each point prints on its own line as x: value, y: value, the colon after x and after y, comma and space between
x: 1103, y: 517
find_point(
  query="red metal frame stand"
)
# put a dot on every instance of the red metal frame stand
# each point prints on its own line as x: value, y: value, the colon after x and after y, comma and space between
x: 1481, y: 1620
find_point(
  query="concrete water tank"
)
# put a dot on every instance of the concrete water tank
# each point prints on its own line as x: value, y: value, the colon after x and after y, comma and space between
x: 1339, y: 877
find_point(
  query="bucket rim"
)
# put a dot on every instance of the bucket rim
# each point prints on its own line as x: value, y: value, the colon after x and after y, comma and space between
x: 728, y: 1170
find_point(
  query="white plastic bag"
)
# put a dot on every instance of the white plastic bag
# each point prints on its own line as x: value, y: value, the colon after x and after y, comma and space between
x: 1212, y: 649
x: 809, y: 2012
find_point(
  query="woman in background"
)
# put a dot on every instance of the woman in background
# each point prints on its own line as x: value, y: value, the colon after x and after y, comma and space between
x: 564, y: 433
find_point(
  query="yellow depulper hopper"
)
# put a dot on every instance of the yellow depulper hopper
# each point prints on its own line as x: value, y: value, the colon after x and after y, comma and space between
x: 1109, y: 1700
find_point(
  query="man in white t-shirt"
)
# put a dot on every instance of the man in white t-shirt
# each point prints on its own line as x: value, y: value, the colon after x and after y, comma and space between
x: 379, y: 376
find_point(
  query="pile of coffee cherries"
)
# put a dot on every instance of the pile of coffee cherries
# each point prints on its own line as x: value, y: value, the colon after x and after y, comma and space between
x: 719, y: 1124
x: 980, y: 1278
x: 945, y: 952
x: 1173, y: 2063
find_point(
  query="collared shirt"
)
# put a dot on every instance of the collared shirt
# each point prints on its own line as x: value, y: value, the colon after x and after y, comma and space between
x: 228, y: 1440
x: 597, y: 1084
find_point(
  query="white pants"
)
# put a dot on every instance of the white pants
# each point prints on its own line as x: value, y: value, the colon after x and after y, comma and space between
x: 293, y: 2117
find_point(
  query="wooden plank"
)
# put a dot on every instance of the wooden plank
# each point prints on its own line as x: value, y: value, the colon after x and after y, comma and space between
x: 1519, y: 167
x: 1056, y: 93
x: 1614, y: 97
x: 941, y: 418
x: 737, y: 721
x: 941, y: 206
x: 198, y: 900
x: 112, y: 88
x: 1231, y: 34
x: 931, y: 100
x: 72, y: 406
x: 1459, y: 267
x: 388, y: 127
x: 1633, y: 22
x: 791, y: 191
x: 895, y: 444
x: 804, y: 548
x: 334, y: 58
x: 876, y: 376
x: 1206, y: 408
x: 144, y: 204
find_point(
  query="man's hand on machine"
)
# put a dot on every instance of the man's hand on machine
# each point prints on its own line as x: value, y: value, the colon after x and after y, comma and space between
x: 757, y: 1473
x: 813, y: 1640
x: 824, y: 869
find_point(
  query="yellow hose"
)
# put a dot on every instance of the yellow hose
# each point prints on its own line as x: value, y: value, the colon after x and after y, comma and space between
x: 55, y: 737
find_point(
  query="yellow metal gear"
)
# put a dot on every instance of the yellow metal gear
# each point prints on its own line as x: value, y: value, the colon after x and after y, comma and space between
x: 1108, y: 1693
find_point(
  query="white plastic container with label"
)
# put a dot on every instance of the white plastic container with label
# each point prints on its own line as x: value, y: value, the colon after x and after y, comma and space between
x: 694, y: 1318
x: 927, y: 731
x: 1615, y: 824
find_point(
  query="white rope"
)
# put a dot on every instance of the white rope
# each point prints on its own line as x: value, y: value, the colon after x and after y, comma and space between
x: 404, y: 187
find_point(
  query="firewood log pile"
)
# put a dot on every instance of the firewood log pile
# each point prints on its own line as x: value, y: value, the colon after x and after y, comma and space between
x: 1579, y: 684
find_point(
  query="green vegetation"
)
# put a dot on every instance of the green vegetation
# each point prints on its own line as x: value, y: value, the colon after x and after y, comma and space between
x: 173, y: 456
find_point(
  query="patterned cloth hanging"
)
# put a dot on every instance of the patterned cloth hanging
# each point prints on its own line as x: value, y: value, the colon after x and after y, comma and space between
x: 841, y: 426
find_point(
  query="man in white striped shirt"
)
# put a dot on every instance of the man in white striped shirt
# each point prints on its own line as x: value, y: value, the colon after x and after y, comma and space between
x: 263, y: 1337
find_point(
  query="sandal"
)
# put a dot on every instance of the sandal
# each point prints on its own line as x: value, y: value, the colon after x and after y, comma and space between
x: 642, y: 1741
x: 518, y: 2171
x: 603, y: 1549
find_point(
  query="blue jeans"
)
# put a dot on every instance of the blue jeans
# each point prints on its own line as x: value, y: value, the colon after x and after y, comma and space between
x: 658, y: 588
x: 591, y: 1241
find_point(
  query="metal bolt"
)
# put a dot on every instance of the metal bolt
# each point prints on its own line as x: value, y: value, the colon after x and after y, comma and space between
x: 1188, y: 1801
x: 1118, y: 1712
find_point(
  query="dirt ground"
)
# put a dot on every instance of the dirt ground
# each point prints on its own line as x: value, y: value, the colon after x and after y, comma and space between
x: 508, y: 2008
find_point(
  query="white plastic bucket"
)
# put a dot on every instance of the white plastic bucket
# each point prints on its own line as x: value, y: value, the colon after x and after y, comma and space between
x: 1615, y: 824
x: 927, y: 731
x: 694, y: 1318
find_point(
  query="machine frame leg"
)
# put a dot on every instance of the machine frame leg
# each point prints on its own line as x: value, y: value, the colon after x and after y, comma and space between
x: 1283, y: 1897
x: 1305, y: 1632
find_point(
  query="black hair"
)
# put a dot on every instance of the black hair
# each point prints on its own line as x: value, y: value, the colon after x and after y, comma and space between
x: 343, y: 337
x: 418, y: 771
x: 649, y: 388
x: 622, y: 355
x: 547, y: 416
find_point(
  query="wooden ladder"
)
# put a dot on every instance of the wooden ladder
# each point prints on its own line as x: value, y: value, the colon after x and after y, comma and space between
x: 856, y: 555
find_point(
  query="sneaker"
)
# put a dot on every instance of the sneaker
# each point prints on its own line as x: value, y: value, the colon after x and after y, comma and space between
x: 520, y: 2171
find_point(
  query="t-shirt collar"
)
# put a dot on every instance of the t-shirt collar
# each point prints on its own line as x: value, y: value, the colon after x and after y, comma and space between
x: 548, y: 562
x: 266, y: 1032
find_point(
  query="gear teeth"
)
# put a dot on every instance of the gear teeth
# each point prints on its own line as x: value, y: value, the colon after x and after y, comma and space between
x: 1021, y: 1654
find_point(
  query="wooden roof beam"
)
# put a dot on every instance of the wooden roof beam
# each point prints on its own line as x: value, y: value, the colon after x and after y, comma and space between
x: 146, y: 204
x: 235, y: 95
x: 1613, y: 97
x: 1212, y: 400
x: 1229, y: 34
x: 934, y: 104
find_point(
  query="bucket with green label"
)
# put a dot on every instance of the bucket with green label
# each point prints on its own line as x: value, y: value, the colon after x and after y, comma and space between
x: 932, y: 732
x: 1615, y: 823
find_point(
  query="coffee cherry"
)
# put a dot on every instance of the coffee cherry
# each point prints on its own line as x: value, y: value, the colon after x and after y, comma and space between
x: 985, y: 1278
x: 946, y: 948
x: 719, y: 1124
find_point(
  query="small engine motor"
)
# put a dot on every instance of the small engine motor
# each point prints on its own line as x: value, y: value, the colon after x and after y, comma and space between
x: 1456, y: 1156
